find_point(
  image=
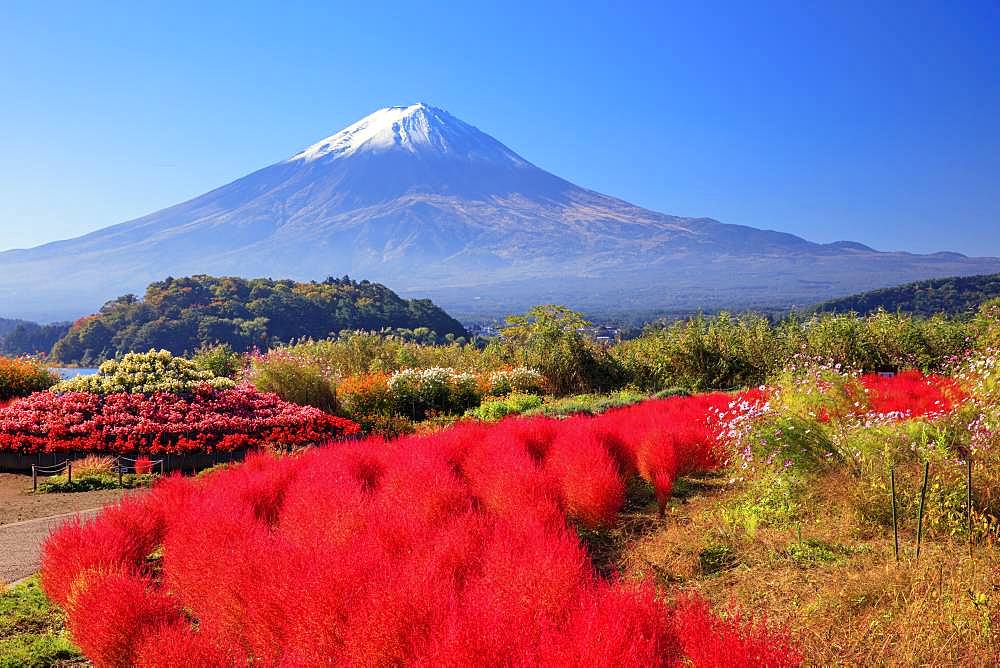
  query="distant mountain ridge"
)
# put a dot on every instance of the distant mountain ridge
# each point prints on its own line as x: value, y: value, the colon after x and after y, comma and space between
x: 955, y: 295
x: 417, y: 199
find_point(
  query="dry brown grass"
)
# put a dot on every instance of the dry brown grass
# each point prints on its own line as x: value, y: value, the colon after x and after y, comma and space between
x: 861, y: 608
x: 93, y: 465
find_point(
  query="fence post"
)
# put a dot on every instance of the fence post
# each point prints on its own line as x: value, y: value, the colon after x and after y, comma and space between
x: 119, y: 471
x: 69, y: 472
x: 968, y: 498
x: 920, y: 518
x: 895, y: 523
x: 34, y: 478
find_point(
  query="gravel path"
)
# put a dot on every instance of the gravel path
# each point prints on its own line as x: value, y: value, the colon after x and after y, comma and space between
x: 21, y: 544
x: 26, y: 520
x: 17, y: 503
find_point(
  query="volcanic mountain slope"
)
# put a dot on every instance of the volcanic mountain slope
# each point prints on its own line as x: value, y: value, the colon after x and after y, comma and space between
x: 420, y: 200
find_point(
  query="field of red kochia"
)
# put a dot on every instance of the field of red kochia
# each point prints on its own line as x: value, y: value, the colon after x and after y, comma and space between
x: 454, y: 548
x: 445, y: 549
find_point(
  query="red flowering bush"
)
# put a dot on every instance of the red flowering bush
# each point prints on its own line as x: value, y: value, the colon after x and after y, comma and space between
x: 209, y: 420
x: 450, y: 548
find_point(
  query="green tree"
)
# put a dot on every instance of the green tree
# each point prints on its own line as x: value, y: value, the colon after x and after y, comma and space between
x: 553, y: 340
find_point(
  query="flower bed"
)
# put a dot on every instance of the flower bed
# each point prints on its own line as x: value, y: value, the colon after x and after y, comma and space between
x: 209, y: 420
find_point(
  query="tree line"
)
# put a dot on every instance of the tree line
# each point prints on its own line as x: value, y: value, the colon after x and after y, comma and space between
x: 184, y: 314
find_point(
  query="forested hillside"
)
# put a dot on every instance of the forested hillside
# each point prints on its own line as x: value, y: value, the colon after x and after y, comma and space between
x: 30, y: 338
x: 183, y: 314
x: 7, y: 326
x: 953, y: 296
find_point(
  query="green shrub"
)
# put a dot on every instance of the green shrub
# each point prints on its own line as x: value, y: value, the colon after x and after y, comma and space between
x: 20, y: 376
x: 716, y: 558
x: 672, y: 392
x: 549, y: 339
x: 358, y: 353
x: 587, y: 404
x: 215, y: 468
x: 772, y: 499
x: 729, y: 352
x: 811, y: 552
x: 386, y: 426
x: 220, y: 360
x: 794, y: 441
x: 145, y: 373
x: 945, y: 505
x: 490, y: 411
x: 60, y: 484
x: 294, y: 380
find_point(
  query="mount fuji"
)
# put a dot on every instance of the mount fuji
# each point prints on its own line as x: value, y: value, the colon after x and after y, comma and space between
x: 430, y: 205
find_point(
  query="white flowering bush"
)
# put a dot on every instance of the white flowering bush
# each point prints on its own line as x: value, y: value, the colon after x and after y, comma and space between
x: 519, y: 380
x: 145, y: 373
x: 464, y: 390
x: 979, y: 374
x: 416, y: 392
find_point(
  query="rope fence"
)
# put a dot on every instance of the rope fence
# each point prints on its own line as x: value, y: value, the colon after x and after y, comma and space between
x: 120, y: 465
x: 60, y: 462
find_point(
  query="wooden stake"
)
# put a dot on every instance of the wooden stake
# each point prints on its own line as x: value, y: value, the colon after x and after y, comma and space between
x: 895, y: 522
x: 968, y: 499
x: 34, y: 478
x: 920, y: 518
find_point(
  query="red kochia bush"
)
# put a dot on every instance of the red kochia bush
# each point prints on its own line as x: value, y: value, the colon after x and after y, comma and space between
x: 712, y: 642
x: 912, y: 394
x: 111, y: 612
x: 127, y: 532
x: 588, y: 477
x: 447, y: 549
x: 662, y: 439
x: 208, y: 421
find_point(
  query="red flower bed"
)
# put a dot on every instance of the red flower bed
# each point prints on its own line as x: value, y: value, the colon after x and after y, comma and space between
x: 449, y: 548
x: 912, y: 394
x: 208, y: 421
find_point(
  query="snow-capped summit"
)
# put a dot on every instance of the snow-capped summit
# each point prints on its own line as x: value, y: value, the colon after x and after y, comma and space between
x: 421, y: 201
x: 418, y: 128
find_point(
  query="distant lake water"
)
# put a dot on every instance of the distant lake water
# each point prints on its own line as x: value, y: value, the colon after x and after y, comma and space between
x: 66, y: 374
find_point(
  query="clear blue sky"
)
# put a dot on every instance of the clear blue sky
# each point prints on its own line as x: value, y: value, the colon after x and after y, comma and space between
x: 877, y: 122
